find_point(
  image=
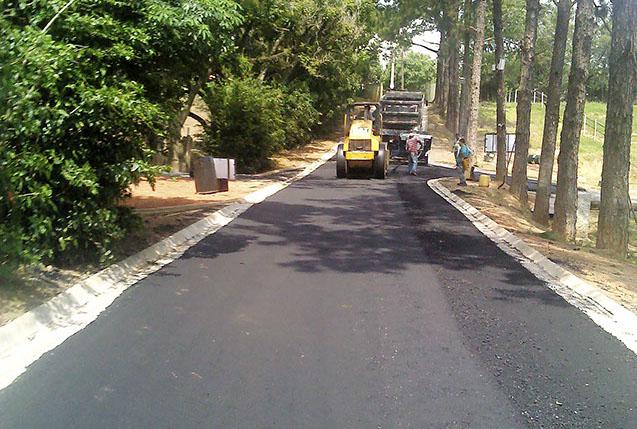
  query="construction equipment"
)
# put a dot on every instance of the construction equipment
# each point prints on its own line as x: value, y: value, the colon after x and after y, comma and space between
x: 403, y: 115
x: 362, y: 148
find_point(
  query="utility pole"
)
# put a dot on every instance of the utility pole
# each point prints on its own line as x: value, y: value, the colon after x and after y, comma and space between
x: 402, y: 70
x: 392, y: 75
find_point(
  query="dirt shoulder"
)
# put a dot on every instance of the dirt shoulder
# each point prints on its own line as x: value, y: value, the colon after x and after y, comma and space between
x: 442, y: 148
x: 615, y: 277
x: 171, y: 206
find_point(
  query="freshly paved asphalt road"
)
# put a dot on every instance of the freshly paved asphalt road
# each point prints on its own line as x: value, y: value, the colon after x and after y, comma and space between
x: 335, y: 304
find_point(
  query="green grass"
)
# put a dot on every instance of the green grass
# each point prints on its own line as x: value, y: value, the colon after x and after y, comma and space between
x: 591, y: 148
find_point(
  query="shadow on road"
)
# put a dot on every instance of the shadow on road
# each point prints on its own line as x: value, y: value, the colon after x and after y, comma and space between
x: 372, y: 226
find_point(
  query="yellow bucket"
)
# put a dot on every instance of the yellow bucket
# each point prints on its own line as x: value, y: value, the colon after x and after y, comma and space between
x: 485, y: 180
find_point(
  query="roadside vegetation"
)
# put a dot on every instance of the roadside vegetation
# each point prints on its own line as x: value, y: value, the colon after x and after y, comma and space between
x: 575, y: 53
x: 591, y: 145
x: 94, y: 95
x: 91, y: 93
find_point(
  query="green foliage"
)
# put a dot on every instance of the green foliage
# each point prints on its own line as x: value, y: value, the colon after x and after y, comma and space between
x: 83, y: 105
x: 78, y: 106
x: 300, y: 117
x: 301, y: 62
x: 420, y: 71
x: 327, y: 46
x: 597, y: 85
x: 71, y: 147
x: 251, y: 120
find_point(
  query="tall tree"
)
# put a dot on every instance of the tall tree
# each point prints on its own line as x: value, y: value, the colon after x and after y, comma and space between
x: 439, y: 69
x: 612, y: 232
x: 552, y: 115
x: 474, y: 98
x: 445, y: 57
x: 442, y: 75
x: 566, y: 197
x: 454, y: 69
x: 519, y: 185
x: 501, y: 164
x: 463, y: 112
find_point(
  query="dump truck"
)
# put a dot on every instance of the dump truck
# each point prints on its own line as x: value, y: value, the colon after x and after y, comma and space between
x: 362, y: 149
x: 403, y: 115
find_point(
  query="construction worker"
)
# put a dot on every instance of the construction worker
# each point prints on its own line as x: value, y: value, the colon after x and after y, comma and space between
x: 462, y: 155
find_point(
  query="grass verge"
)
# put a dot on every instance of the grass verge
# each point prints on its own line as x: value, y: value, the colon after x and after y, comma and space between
x: 591, y: 146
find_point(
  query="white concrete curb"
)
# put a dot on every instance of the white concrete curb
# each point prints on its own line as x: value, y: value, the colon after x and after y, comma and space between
x: 25, y: 339
x: 603, y: 310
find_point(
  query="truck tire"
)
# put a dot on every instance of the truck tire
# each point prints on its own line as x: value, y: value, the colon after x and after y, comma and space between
x: 341, y: 163
x: 380, y: 164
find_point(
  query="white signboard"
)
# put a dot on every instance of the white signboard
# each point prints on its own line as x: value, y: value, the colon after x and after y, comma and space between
x: 491, y: 143
x: 224, y: 168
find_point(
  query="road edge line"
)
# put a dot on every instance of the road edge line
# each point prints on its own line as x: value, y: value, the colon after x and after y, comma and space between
x: 25, y: 339
x: 607, y: 313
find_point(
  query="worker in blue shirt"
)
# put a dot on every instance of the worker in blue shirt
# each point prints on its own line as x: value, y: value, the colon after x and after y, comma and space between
x: 462, y: 154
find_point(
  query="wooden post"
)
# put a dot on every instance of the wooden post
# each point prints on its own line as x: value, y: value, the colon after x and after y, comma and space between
x: 584, y: 124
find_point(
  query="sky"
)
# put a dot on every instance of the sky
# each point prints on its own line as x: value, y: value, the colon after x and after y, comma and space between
x: 429, y: 38
x: 432, y: 37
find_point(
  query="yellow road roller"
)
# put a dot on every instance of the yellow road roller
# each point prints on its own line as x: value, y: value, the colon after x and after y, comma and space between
x: 362, y: 148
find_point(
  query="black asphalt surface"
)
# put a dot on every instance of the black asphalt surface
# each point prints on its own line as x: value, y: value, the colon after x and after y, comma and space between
x: 335, y: 304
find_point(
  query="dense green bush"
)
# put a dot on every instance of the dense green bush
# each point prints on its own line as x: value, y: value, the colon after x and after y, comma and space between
x: 83, y: 94
x: 79, y: 103
x: 72, y: 144
x: 300, y: 117
x: 251, y: 120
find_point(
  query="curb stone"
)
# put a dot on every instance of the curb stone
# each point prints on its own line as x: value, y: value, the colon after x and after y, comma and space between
x: 591, y: 300
x: 26, y: 338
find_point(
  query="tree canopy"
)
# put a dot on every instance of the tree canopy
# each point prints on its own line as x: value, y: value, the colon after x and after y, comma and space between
x: 90, y: 90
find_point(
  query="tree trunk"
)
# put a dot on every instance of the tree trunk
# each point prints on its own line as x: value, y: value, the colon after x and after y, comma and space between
x: 454, y: 71
x: 566, y: 197
x: 501, y: 127
x: 519, y: 185
x: 174, y: 138
x: 438, y: 74
x: 476, y: 67
x: 463, y: 113
x: 453, y: 97
x: 552, y: 115
x: 612, y: 232
x: 444, y: 88
x: 441, y: 68
x: 273, y: 52
x: 443, y: 58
